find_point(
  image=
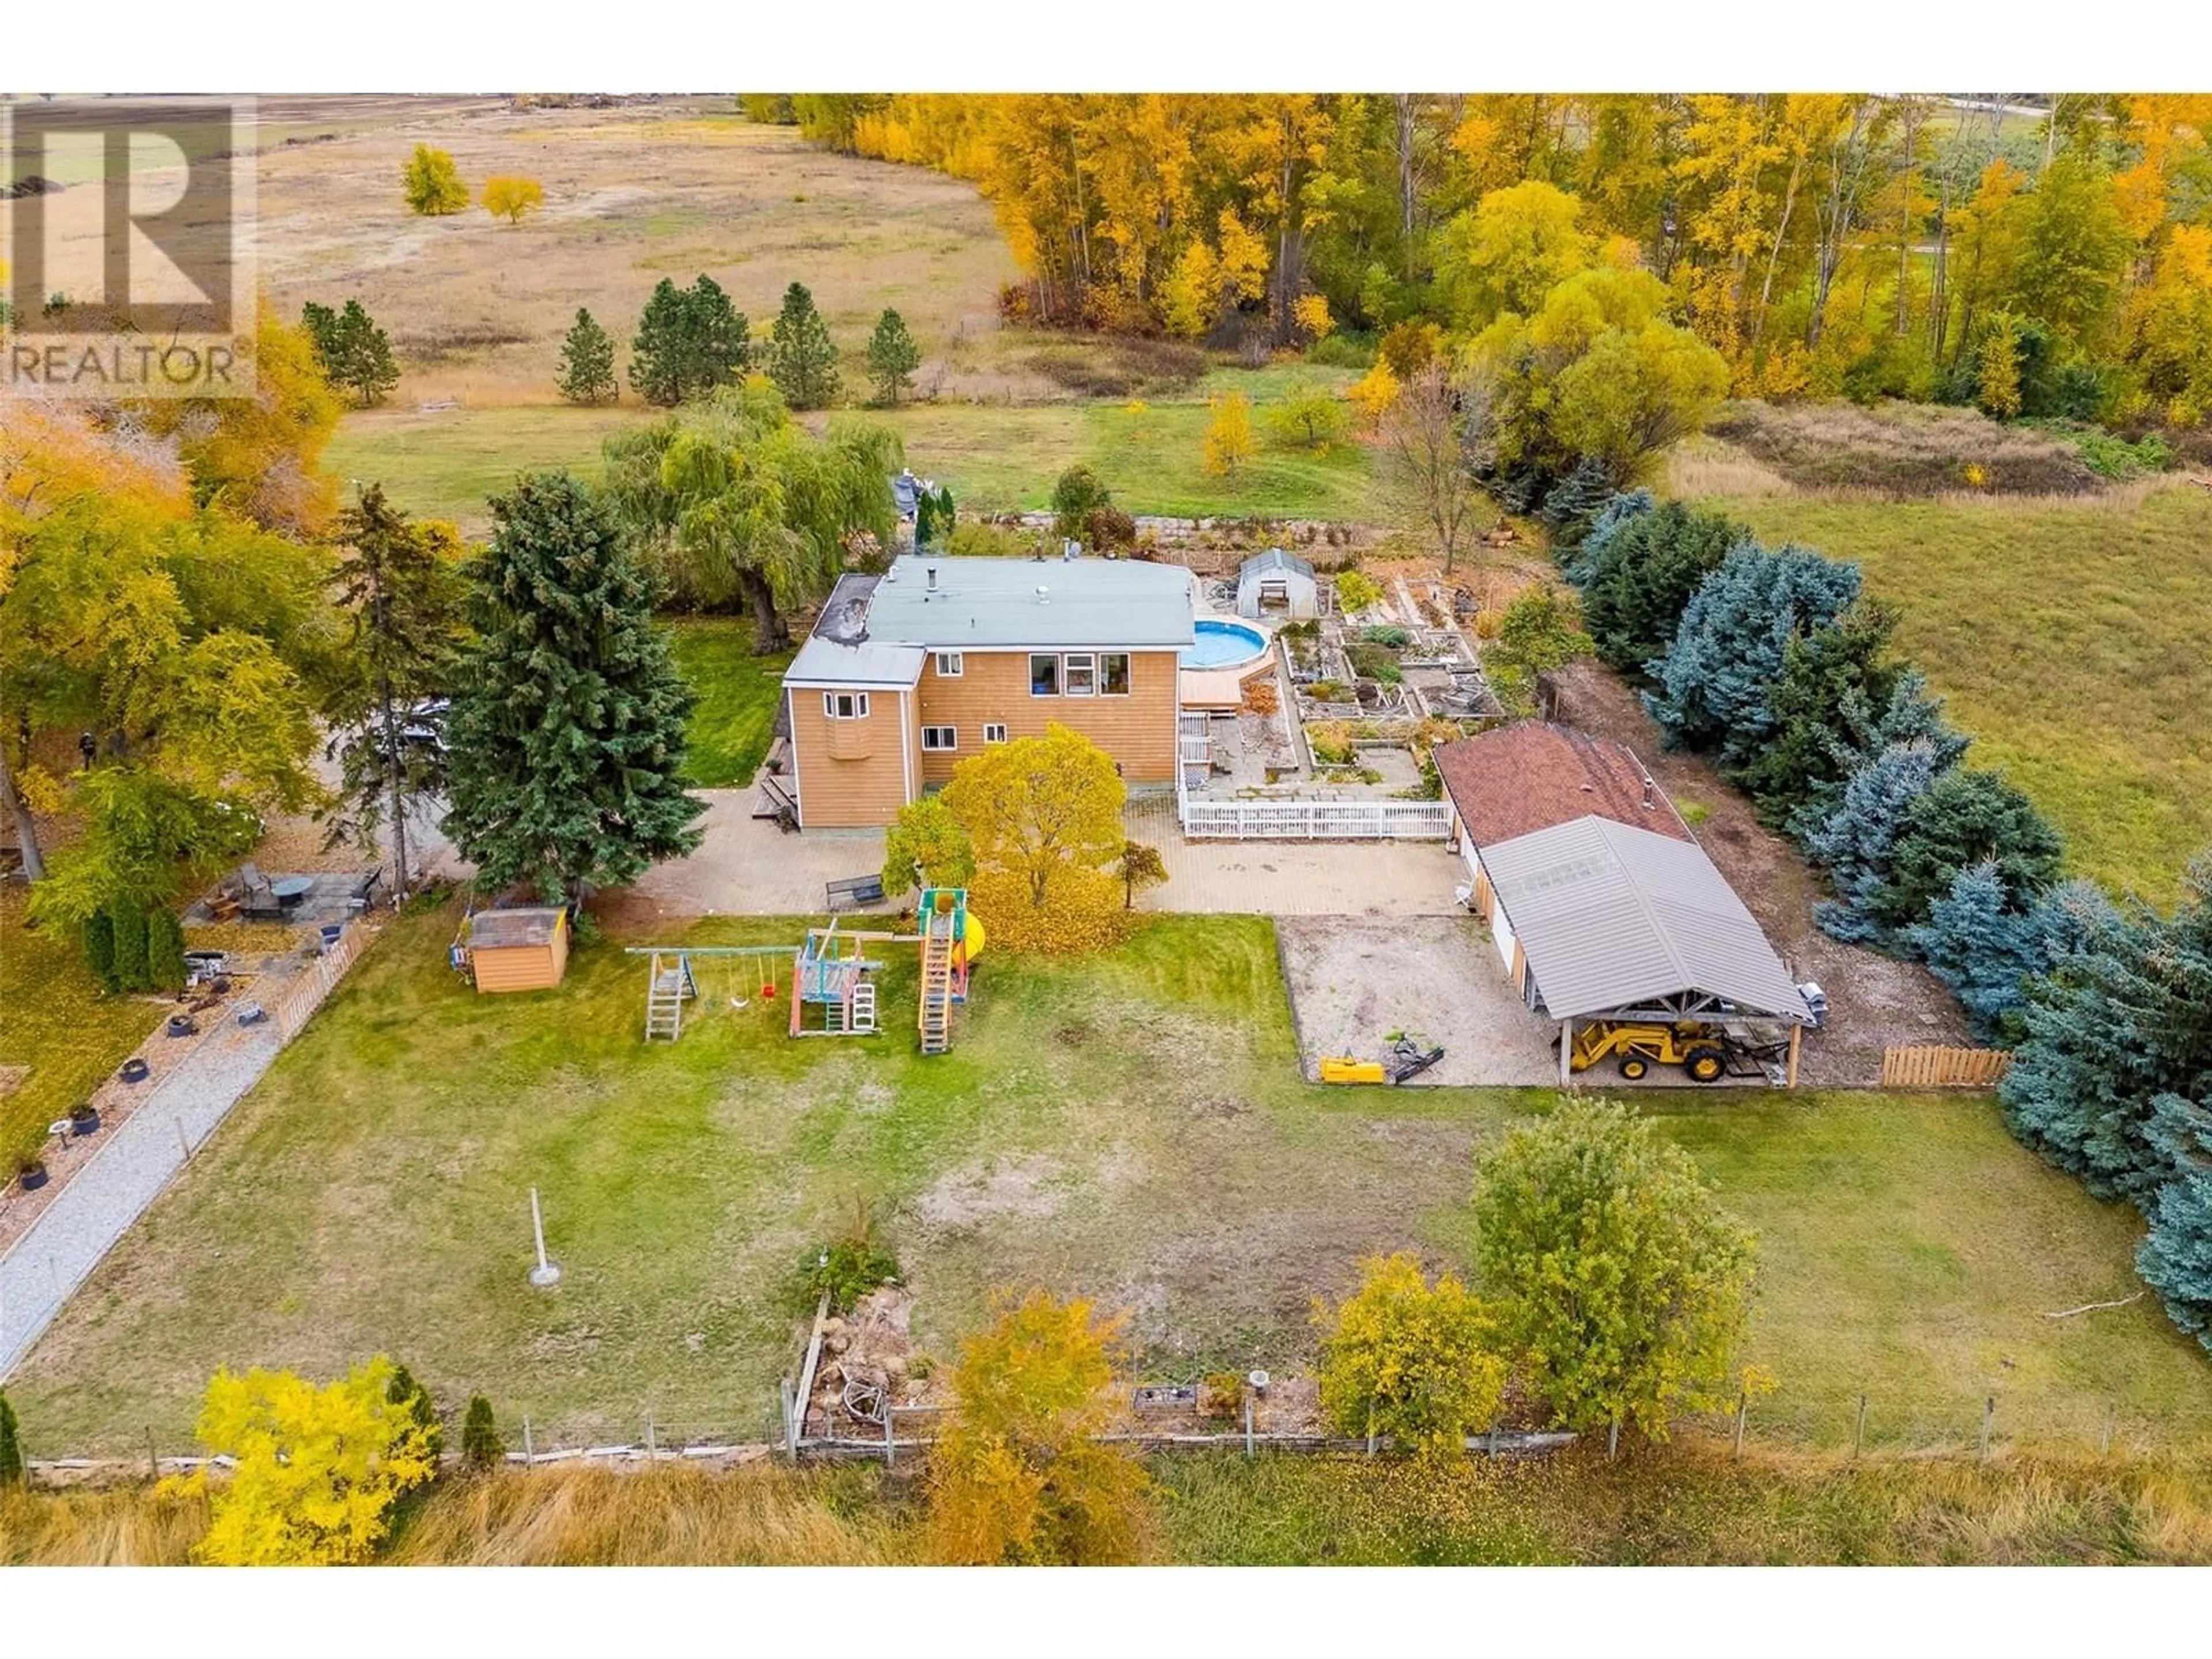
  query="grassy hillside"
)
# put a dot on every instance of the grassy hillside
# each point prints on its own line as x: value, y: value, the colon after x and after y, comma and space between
x: 2072, y: 638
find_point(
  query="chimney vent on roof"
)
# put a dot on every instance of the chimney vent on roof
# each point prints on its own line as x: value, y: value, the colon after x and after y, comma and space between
x: 932, y: 582
x: 1648, y: 802
x: 1044, y: 594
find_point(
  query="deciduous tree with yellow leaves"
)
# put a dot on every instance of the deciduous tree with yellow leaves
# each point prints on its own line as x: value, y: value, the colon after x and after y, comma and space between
x: 1228, y: 442
x: 510, y: 199
x: 317, y: 1469
x: 1043, y: 816
x: 1409, y: 1360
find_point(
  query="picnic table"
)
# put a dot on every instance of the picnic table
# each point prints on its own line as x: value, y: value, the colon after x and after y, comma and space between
x: 291, y: 890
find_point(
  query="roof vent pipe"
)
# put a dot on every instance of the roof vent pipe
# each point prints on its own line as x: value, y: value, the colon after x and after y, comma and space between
x: 1044, y: 594
x: 932, y: 582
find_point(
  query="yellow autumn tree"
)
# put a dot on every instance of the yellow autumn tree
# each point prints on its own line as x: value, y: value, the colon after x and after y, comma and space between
x: 1019, y: 1477
x: 1373, y: 394
x: 1410, y: 1360
x: 317, y: 1471
x: 1229, y: 443
x: 1043, y: 817
x: 1311, y: 315
x: 510, y: 199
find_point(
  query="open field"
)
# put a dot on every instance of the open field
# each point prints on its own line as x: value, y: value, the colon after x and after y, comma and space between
x: 371, y: 1195
x: 2073, y: 638
x: 993, y: 457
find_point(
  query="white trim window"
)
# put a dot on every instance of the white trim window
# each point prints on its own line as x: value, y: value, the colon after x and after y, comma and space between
x: 1113, y: 674
x: 994, y: 732
x: 939, y: 740
x: 1044, y: 674
x: 845, y: 705
x: 1079, y: 674
x: 949, y: 665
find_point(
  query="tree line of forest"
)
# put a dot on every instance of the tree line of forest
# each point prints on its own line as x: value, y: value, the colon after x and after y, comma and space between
x: 1824, y: 245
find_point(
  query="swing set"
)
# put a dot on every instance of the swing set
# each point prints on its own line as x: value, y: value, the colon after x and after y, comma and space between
x: 833, y: 991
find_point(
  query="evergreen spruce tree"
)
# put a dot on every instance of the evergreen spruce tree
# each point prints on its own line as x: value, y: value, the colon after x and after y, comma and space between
x: 1717, y: 681
x: 1637, y: 573
x: 1574, y: 505
x: 1841, y: 666
x: 1984, y: 943
x: 354, y: 353
x: 587, y: 363
x: 1855, y: 842
x: 12, y: 1470
x: 1861, y: 732
x: 1963, y: 818
x: 165, y: 950
x: 320, y: 323
x: 893, y: 356
x: 657, y: 355
x: 480, y: 1446
x: 1611, y: 519
x: 566, y: 731
x: 2175, y: 1258
x: 802, y: 358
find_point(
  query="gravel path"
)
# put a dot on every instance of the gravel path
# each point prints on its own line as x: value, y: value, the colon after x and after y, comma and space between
x: 43, y: 1268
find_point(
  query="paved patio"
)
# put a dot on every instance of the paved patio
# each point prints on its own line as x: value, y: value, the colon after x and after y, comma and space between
x: 747, y: 866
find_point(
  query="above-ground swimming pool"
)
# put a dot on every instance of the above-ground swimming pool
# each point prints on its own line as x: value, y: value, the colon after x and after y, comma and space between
x: 1223, y: 645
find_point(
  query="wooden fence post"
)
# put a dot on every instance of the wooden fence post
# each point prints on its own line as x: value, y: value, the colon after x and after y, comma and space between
x: 790, y: 1428
x: 1371, y: 1428
x: 1613, y: 1441
x: 153, y: 1459
x: 890, y: 1446
x: 1742, y: 1404
x: 1989, y: 1410
x: 1858, y: 1434
x: 1248, y: 1423
x: 529, y: 1452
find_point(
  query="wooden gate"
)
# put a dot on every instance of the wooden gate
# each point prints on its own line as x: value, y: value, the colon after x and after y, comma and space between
x: 1943, y: 1068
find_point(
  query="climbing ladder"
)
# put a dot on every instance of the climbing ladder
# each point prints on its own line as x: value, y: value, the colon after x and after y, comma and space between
x: 666, y: 991
x: 864, y: 1007
x: 937, y: 982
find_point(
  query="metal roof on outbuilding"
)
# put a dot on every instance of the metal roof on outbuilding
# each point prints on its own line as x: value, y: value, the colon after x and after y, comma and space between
x: 1274, y: 559
x: 1614, y: 917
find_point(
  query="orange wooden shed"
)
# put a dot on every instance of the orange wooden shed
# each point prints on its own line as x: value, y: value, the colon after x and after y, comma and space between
x: 518, y: 950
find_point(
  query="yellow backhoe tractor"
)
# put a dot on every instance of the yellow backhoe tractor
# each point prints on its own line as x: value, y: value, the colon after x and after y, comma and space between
x: 1699, y: 1049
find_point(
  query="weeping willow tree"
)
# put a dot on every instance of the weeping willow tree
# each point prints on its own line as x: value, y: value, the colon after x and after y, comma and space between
x: 738, y: 507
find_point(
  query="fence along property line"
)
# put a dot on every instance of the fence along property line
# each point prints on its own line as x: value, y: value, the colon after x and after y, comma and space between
x: 1316, y: 820
x: 1935, y: 1067
x: 305, y: 995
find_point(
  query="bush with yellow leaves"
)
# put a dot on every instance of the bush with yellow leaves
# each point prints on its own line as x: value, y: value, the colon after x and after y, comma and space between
x: 1408, y: 1359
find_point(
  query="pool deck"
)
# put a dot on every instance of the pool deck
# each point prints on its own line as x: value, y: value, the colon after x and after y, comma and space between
x: 1223, y: 687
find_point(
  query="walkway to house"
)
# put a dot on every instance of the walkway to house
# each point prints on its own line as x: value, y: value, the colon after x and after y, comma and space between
x: 747, y: 866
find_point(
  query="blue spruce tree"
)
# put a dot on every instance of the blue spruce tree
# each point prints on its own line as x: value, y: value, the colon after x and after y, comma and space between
x: 2175, y: 1260
x: 1861, y: 733
x: 1984, y: 945
x: 1855, y: 842
x: 1627, y: 505
x: 1715, y: 681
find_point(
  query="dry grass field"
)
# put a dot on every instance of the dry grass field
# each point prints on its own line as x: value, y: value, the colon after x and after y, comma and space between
x: 667, y: 187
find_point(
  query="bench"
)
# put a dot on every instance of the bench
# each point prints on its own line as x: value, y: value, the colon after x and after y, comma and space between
x: 854, y: 889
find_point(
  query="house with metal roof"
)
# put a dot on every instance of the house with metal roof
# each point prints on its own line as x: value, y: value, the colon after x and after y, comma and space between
x: 1277, y: 584
x: 1601, y: 903
x: 907, y: 673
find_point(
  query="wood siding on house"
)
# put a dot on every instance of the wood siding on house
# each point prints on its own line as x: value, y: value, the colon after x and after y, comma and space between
x: 1137, y: 730
x: 853, y: 774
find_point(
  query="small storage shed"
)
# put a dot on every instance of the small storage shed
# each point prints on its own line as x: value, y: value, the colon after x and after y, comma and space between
x: 1276, y: 584
x: 518, y: 950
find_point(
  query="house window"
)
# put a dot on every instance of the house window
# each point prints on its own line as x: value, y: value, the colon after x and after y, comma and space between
x: 845, y: 705
x: 1079, y: 670
x: 938, y: 738
x: 948, y: 664
x: 1113, y: 674
x: 994, y: 733
x: 1044, y: 676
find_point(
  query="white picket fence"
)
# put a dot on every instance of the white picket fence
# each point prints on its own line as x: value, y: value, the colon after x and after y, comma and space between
x: 1316, y: 820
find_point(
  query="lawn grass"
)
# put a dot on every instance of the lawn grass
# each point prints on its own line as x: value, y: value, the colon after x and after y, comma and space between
x: 449, y: 464
x: 2072, y: 638
x: 1132, y: 1129
x: 736, y: 694
x: 57, y: 1022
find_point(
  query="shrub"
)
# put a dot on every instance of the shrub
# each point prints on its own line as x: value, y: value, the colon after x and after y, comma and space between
x: 165, y: 951
x: 431, y: 184
x: 1076, y: 494
x: 1343, y: 349
x: 12, y: 1472
x: 480, y: 1445
x: 404, y: 1390
x: 132, y: 971
x: 99, y: 949
x: 1356, y: 592
x: 1409, y: 1359
x: 1109, y: 526
x: 852, y: 1264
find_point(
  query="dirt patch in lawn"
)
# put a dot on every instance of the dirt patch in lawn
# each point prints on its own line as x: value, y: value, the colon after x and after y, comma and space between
x: 1873, y: 1002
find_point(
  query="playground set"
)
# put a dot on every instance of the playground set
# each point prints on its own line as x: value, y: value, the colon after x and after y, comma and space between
x: 833, y: 989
